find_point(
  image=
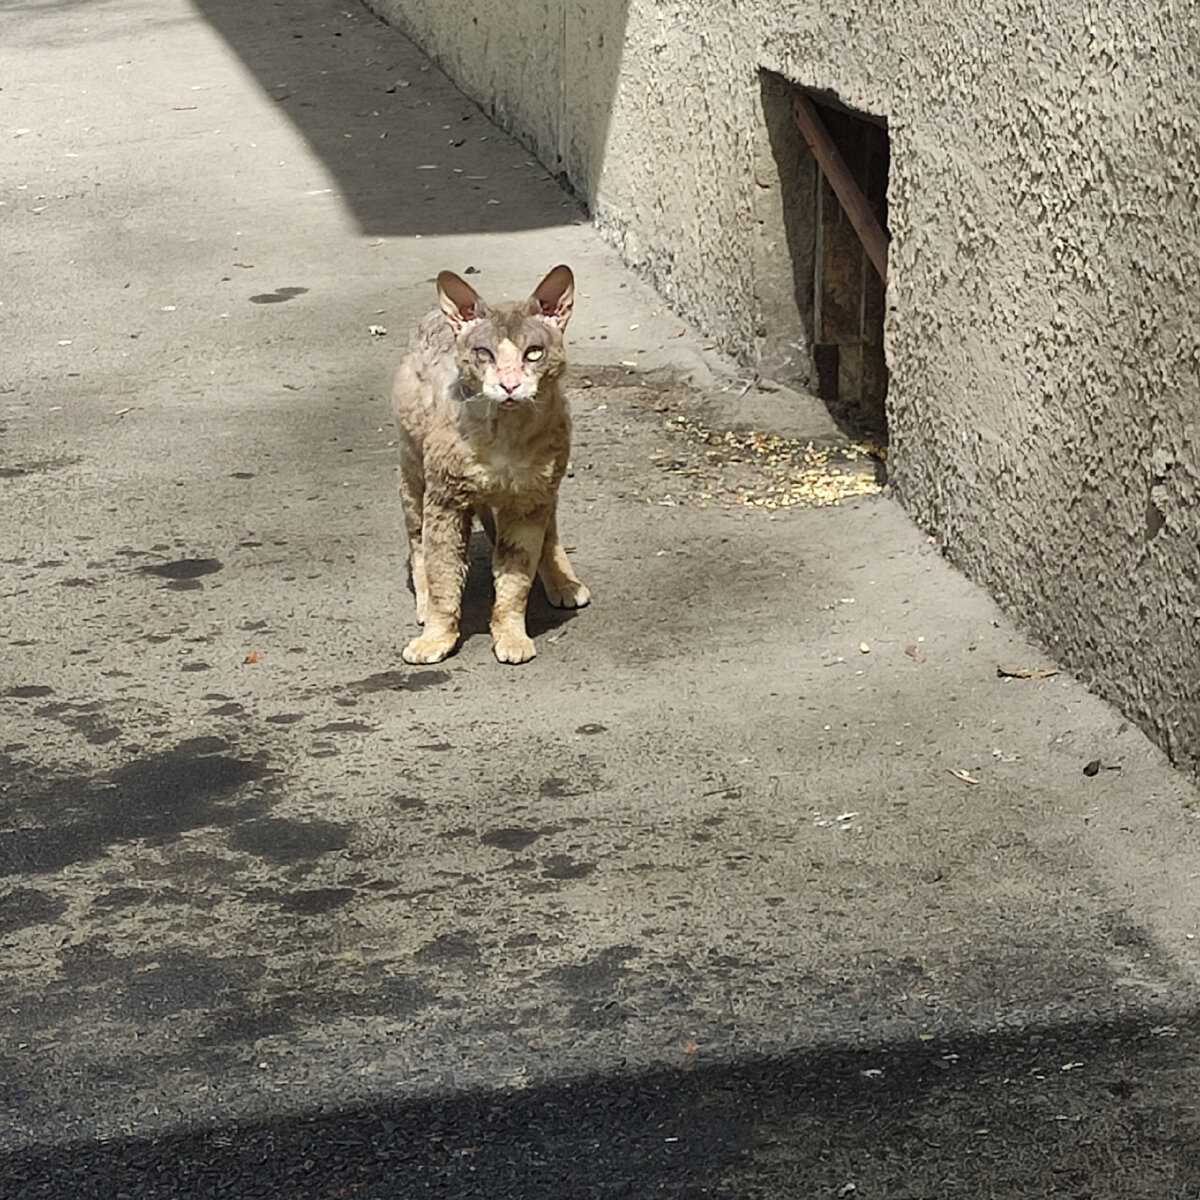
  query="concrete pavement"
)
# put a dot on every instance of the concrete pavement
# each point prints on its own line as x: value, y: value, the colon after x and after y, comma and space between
x: 757, y: 881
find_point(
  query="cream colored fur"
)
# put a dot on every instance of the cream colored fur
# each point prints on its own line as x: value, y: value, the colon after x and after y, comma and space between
x: 485, y: 430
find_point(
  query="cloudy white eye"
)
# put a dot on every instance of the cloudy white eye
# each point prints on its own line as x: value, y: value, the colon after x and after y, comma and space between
x: 534, y: 353
x: 483, y: 354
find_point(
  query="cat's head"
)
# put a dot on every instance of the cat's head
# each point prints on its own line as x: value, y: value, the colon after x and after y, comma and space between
x: 506, y: 352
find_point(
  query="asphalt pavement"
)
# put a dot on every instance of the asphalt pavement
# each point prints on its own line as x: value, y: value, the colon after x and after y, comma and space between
x: 789, y: 867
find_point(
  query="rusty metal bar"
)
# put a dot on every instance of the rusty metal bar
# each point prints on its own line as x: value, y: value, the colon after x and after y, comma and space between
x: 845, y: 187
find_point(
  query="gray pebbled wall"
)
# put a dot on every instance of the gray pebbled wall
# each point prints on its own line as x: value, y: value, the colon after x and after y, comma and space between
x: 1041, y: 329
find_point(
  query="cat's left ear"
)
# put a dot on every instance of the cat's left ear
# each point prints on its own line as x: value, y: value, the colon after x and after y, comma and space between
x: 554, y: 297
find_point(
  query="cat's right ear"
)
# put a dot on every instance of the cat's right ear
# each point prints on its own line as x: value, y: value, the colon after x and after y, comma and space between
x: 460, y: 302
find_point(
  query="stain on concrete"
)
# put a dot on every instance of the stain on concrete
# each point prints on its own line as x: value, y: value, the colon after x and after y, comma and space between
x: 22, y: 907
x: 557, y: 786
x: 449, y: 949
x: 279, y: 295
x: 96, y: 732
x: 409, y: 803
x: 311, y: 902
x: 183, y: 569
x: 49, y: 821
x: 397, y: 995
x: 513, y: 838
x: 209, y: 744
x: 250, y: 1020
x: 399, y: 681
x: 563, y: 866
x: 119, y: 898
x: 38, y: 466
x: 593, y: 988
x: 600, y: 973
x: 179, y: 983
x: 286, y: 840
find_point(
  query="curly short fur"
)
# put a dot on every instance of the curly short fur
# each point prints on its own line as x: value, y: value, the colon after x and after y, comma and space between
x: 485, y: 430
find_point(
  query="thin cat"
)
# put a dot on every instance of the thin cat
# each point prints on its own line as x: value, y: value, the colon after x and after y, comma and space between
x: 485, y: 430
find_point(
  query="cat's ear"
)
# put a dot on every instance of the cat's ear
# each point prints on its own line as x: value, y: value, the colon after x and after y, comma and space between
x: 554, y: 297
x: 460, y: 302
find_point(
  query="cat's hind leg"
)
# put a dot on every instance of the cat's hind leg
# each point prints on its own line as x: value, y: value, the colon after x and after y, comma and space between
x: 559, y: 581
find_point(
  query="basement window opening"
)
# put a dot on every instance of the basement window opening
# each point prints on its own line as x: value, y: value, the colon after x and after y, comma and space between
x: 832, y: 169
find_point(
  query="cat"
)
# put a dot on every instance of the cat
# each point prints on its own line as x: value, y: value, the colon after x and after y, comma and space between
x: 485, y: 430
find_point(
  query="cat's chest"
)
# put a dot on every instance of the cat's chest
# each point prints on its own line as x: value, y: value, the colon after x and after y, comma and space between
x: 499, y: 469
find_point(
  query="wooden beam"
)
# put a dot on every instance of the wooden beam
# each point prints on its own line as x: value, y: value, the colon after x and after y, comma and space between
x: 845, y: 187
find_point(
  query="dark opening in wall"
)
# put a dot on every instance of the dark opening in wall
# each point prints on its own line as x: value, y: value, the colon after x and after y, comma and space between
x: 831, y: 168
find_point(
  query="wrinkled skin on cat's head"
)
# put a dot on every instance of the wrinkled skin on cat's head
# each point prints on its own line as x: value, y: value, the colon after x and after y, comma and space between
x: 507, y: 352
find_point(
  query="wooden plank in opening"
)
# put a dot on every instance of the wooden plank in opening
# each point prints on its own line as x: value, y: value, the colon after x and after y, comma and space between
x: 845, y: 187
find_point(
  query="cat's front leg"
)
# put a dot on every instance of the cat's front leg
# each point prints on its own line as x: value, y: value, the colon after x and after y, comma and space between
x: 412, y: 503
x: 445, y: 530
x: 515, y: 558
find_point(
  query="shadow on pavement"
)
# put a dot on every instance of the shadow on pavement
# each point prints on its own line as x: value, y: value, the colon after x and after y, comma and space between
x: 1104, y: 1110
x: 410, y: 153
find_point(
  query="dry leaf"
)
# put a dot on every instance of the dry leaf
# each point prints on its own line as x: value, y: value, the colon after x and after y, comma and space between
x: 252, y: 657
x: 965, y: 776
x: 915, y: 653
x: 1025, y: 672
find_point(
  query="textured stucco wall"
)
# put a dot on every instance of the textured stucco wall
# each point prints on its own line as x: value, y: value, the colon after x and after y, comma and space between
x: 1041, y: 331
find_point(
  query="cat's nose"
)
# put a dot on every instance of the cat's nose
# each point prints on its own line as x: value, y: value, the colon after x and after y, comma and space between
x: 510, y: 387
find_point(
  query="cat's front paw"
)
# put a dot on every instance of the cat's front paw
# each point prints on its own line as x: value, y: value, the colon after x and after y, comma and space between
x: 569, y: 593
x: 429, y: 648
x: 513, y: 647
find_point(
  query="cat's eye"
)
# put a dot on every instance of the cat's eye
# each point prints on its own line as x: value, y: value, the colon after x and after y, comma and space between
x: 534, y: 353
x: 483, y: 354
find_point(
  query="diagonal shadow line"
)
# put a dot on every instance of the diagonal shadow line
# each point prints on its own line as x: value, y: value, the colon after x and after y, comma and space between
x: 409, y: 152
x: 1091, y: 1108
